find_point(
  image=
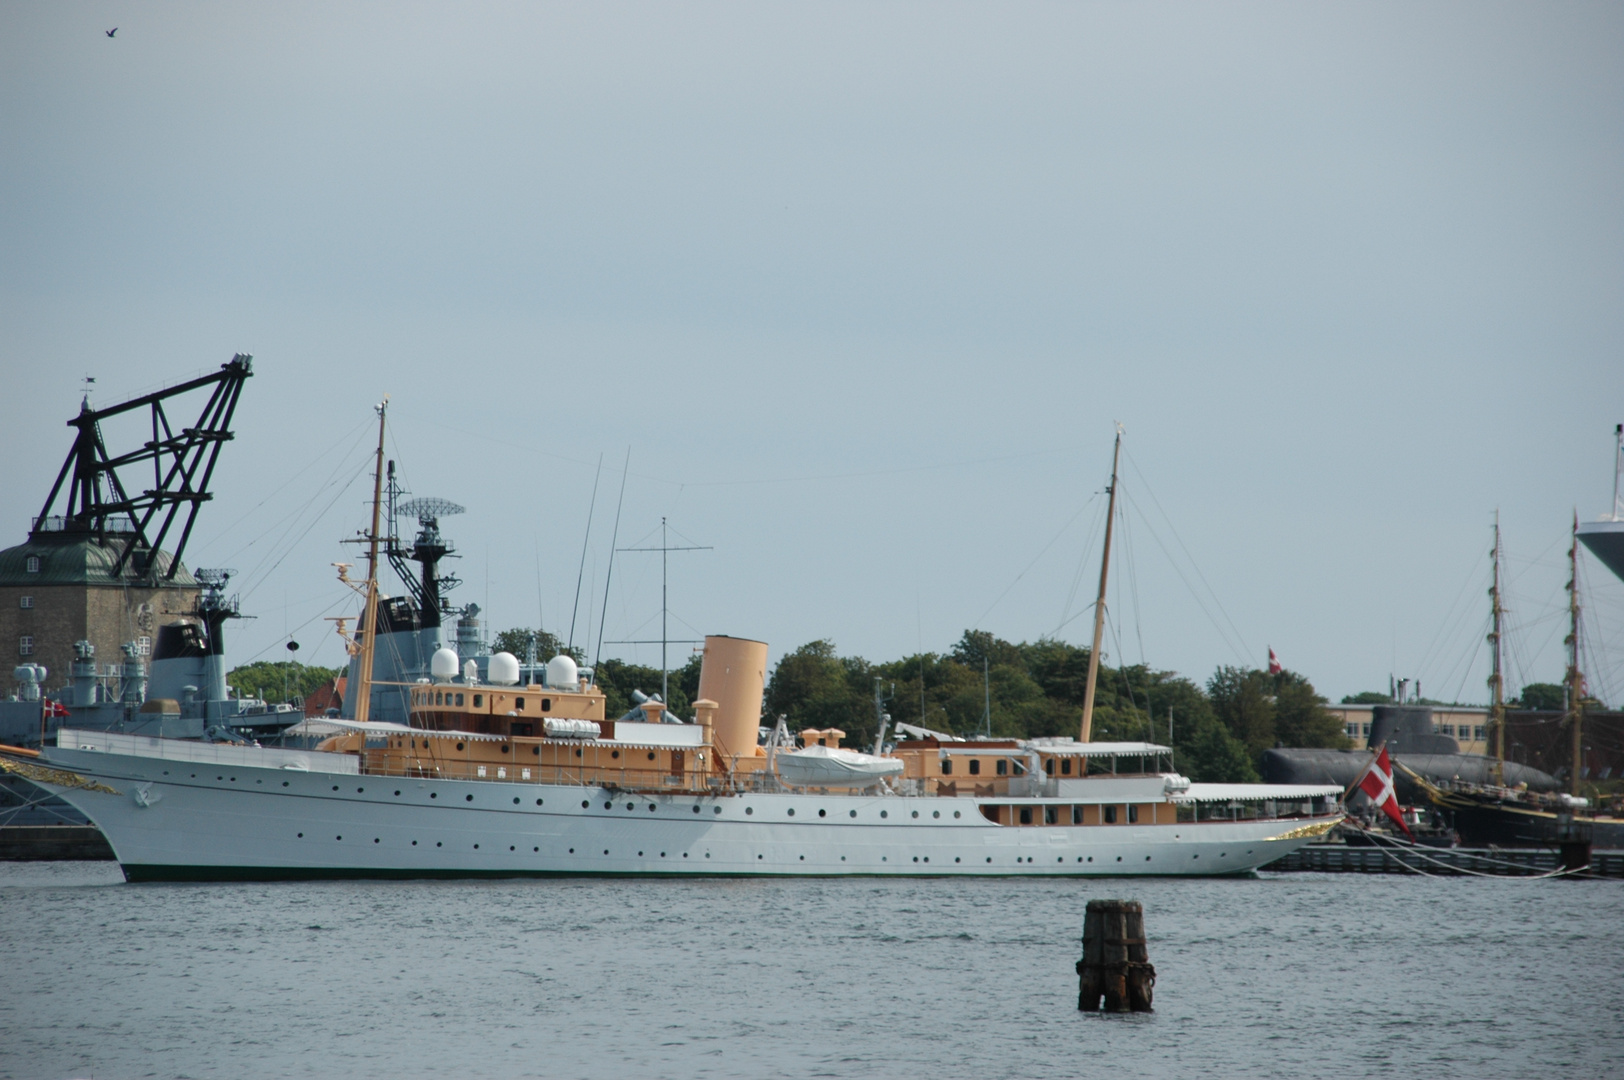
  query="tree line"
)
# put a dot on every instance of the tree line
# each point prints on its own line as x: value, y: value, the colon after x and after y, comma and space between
x: 986, y: 685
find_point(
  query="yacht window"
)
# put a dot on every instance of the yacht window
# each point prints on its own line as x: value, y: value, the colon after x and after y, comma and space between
x: 518, y: 703
x: 1133, y: 813
x: 459, y: 699
x: 1110, y: 815
x: 1077, y: 815
x: 947, y: 766
x: 437, y: 698
x: 1051, y: 815
x: 479, y: 699
x: 975, y: 766
x: 1003, y: 766
x: 546, y: 704
x: 1065, y: 767
x: 1026, y: 815
x: 1048, y: 766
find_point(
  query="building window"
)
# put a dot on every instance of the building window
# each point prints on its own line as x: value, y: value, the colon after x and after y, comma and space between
x: 25, y: 645
x: 1110, y: 815
x: 26, y: 602
x: 33, y: 564
x: 143, y: 646
x: 1351, y: 730
x: 975, y: 766
x: 1478, y: 733
x: 947, y: 766
x: 1365, y: 730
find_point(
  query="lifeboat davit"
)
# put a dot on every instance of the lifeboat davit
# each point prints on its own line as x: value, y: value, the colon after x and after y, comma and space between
x: 829, y: 766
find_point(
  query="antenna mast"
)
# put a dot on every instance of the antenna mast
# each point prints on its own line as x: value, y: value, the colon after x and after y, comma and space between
x: 1099, y: 603
x: 369, y: 621
x: 1497, y: 707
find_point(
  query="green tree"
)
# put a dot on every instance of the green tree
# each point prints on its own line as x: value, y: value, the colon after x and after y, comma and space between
x: 1545, y: 697
x: 279, y: 680
x: 1368, y: 697
x: 1301, y: 718
x: 517, y: 641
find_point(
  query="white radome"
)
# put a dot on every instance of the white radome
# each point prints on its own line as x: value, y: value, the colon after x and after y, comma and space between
x: 503, y: 669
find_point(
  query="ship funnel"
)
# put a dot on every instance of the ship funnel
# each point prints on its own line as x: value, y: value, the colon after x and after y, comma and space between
x: 733, y: 673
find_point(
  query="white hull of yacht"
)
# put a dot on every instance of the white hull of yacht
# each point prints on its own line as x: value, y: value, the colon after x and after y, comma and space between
x: 220, y: 812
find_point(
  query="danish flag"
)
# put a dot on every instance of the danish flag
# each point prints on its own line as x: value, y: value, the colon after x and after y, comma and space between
x: 55, y: 708
x: 1377, y: 782
x: 1274, y: 664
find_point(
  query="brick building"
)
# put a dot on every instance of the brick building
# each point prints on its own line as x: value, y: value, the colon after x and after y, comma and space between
x: 59, y: 588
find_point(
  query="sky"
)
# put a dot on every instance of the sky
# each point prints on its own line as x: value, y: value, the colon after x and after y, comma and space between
x: 853, y: 297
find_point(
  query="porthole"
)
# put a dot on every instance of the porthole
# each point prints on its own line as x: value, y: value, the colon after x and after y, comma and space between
x: 301, y: 836
x: 374, y: 839
x: 577, y: 752
x: 854, y: 813
x: 792, y: 811
x: 335, y: 787
x: 916, y: 813
x: 1091, y: 858
x: 760, y: 857
x: 437, y: 843
x: 955, y: 813
x: 584, y: 804
x: 955, y: 858
x: 284, y: 783
x: 397, y: 793
x: 535, y: 751
x: 989, y: 858
x: 639, y: 854
x: 749, y: 809
x: 916, y: 858
x: 572, y: 851
x: 1119, y: 858
x: 1147, y: 858
x: 512, y: 848
x: 823, y: 813
x: 935, y: 813
x: 358, y: 790
x: 504, y: 748
x: 606, y: 851
x: 614, y: 753
x: 651, y: 755
x: 652, y: 808
x: 459, y: 746
x: 803, y: 858
x: 338, y: 838
x: 714, y: 810
x: 414, y: 843
x: 470, y: 798
x: 535, y: 849
x: 885, y: 813
x: 608, y: 806
x: 515, y: 800
x: 631, y: 806
x: 434, y: 794
x: 696, y: 808
x: 538, y: 802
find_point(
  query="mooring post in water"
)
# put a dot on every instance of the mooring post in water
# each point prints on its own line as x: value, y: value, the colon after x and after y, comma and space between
x: 1115, y: 963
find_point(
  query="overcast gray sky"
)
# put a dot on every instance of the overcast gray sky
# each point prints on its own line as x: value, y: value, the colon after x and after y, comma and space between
x: 862, y: 288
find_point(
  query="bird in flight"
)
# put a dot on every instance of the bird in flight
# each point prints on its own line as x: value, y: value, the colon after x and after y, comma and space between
x: 111, y: 32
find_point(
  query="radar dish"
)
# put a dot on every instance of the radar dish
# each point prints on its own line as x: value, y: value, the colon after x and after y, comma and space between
x: 213, y: 578
x: 427, y: 509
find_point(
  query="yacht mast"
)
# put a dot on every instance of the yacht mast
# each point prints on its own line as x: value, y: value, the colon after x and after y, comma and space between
x: 1099, y: 603
x: 1497, y: 707
x: 369, y: 621
x: 1575, y: 680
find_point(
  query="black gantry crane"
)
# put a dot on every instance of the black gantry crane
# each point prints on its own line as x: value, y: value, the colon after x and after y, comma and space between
x: 100, y: 502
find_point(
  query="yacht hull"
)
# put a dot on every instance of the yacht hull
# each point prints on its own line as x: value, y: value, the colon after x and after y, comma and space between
x: 231, y: 819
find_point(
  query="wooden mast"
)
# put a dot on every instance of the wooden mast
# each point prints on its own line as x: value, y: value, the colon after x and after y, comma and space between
x: 1099, y: 603
x: 369, y: 621
x: 1575, y: 680
x: 1497, y: 707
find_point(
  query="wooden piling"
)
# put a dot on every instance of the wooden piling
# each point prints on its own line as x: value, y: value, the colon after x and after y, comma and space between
x: 1116, y: 963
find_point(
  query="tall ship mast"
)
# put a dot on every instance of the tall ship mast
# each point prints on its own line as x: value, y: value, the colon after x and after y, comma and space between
x: 1497, y: 690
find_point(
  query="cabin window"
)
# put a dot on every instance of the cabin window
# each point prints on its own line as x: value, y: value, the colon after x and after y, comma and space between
x: 459, y: 699
x: 975, y: 766
x: 1051, y: 815
x: 1065, y: 767
x: 439, y: 698
x: 1077, y: 815
x: 1133, y: 813
x: 518, y: 703
x: 1110, y: 815
x: 1003, y: 766
x: 546, y: 704
x: 1048, y: 766
x: 947, y: 766
x: 1026, y: 815
x: 479, y: 699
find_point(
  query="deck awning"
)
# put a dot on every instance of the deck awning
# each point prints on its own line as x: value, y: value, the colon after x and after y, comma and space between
x: 1256, y: 792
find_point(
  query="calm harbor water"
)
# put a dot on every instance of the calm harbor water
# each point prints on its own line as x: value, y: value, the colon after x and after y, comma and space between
x: 1280, y: 975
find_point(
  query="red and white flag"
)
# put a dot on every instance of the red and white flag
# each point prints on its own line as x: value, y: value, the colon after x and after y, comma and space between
x: 55, y: 708
x: 1274, y: 664
x: 1377, y: 782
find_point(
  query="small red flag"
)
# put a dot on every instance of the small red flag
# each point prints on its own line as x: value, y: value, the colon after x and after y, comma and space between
x: 55, y: 708
x: 1377, y: 782
x: 1274, y: 664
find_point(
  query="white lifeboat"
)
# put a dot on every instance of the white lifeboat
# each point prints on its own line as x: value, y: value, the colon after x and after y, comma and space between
x: 830, y: 766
